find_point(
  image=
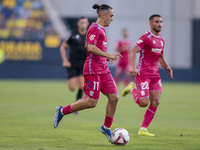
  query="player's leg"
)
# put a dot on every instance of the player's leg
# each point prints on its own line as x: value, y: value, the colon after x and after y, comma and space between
x: 155, y: 93
x: 118, y: 73
x: 109, y: 89
x: 77, y: 106
x: 90, y: 88
x: 127, y: 78
x: 72, y: 78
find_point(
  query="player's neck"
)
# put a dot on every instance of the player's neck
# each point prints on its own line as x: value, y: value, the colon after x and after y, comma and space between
x: 82, y: 32
x: 154, y: 32
x: 100, y: 22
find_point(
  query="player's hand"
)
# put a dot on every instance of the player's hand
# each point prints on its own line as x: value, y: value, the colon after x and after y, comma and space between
x: 110, y: 61
x: 134, y: 71
x: 169, y: 70
x: 67, y: 64
x: 114, y: 56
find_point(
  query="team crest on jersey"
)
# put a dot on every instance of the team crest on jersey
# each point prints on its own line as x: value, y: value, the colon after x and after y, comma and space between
x: 77, y: 36
x: 139, y: 41
x: 92, y: 37
x: 154, y: 42
x: 104, y: 44
x: 161, y: 43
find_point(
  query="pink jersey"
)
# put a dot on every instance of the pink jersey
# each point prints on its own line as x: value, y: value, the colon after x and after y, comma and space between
x: 151, y: 48
x: 95, y: 64
x: 123, y: 46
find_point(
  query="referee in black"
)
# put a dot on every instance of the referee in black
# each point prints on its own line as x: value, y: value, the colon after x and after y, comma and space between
x: 77, y: 56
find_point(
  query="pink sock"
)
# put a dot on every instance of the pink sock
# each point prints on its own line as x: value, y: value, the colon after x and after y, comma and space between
x: 108, y: 121
x: 67, y: 110
x: 149, y: 116
x: 135, y: 96
x: 117, y: 80
x: 127, y: 80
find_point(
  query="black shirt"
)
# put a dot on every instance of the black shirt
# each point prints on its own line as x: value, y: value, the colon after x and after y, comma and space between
x: 78, y: 51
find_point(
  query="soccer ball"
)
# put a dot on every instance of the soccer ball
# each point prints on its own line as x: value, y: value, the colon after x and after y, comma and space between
x: 120, y: 136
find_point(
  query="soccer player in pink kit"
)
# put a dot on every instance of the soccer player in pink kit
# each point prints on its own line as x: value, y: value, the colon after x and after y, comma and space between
x: 96, y: 72
x: 148, y: 86
x: 123, y: 46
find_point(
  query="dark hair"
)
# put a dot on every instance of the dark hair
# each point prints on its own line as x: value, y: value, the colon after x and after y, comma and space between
x: 154, y: 15
x: 81, y: 18
x: 101, y: 8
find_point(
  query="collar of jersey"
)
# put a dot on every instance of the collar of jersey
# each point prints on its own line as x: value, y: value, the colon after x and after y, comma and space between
x: 100, y: 25
x: 153, y: 34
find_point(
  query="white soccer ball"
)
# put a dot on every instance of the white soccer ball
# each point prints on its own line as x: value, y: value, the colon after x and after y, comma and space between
x: 120, y: 136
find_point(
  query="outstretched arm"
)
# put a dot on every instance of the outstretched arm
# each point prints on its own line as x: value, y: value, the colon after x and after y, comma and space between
x: 63, y: 47
x: 164, y: 64
x: 133, y: 53
x: 95, y: 50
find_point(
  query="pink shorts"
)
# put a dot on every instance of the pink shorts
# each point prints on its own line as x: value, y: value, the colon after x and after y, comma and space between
x: 95, y: 83
x: 120, y: 68
x: 145, y: 84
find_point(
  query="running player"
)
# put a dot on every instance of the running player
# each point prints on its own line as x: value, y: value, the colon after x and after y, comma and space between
x: 96, y: 72
x: 148, y: 86
x: 123, y: 46
x: 74, y: 66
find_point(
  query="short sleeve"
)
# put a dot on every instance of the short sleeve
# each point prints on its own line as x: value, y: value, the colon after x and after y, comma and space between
x: 142, y: 42
x: 93, y: 36
x: 70, y: 40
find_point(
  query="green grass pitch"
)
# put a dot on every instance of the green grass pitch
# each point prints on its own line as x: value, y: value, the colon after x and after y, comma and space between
x: 27, y: 110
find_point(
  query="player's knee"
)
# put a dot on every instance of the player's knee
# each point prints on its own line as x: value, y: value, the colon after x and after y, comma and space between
x: 144, y: 103
x: 114, y: 98
x: 72, y: 88
x: 156, y: 102
x: 92, y: 104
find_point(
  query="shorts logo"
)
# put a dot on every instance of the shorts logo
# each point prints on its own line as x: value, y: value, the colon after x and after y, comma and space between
x: 91, y: 93
x: 142, y: 93
x: 92, y: 37
x: 160, y: 83
x: 89, y: 85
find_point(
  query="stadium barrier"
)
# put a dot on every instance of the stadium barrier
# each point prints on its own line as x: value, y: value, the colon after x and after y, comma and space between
x: 40, y: 59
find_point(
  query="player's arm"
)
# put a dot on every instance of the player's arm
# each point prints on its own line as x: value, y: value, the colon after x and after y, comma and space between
x: 134, y: 51
x: 164, y: 64
x: 63, y: 47
x: 95, y: 50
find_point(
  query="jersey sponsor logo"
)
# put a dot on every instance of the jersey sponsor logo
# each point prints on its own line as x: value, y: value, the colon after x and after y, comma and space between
x: 139, y: 41
x: 157, y: 50
x: 92, y: 37
x: 104, y: 43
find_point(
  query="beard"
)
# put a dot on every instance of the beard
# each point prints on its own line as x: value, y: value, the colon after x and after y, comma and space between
x: 156, y: 30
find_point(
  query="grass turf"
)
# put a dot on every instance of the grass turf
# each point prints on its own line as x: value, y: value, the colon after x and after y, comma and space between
x: 27, y: 110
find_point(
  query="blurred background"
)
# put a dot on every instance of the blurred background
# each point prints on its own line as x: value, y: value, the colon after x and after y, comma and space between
x: 31, y: 32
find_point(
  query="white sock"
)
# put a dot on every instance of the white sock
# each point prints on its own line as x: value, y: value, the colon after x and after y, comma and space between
x: 142, y: 128
x: 61, y: 111
x: 131, y: 89
x: 105, y: 127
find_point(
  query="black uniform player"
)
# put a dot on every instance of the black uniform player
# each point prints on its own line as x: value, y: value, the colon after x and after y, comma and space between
x: 78, y: 52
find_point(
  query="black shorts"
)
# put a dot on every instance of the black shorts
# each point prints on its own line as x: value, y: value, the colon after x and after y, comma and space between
x: 74, y: 71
